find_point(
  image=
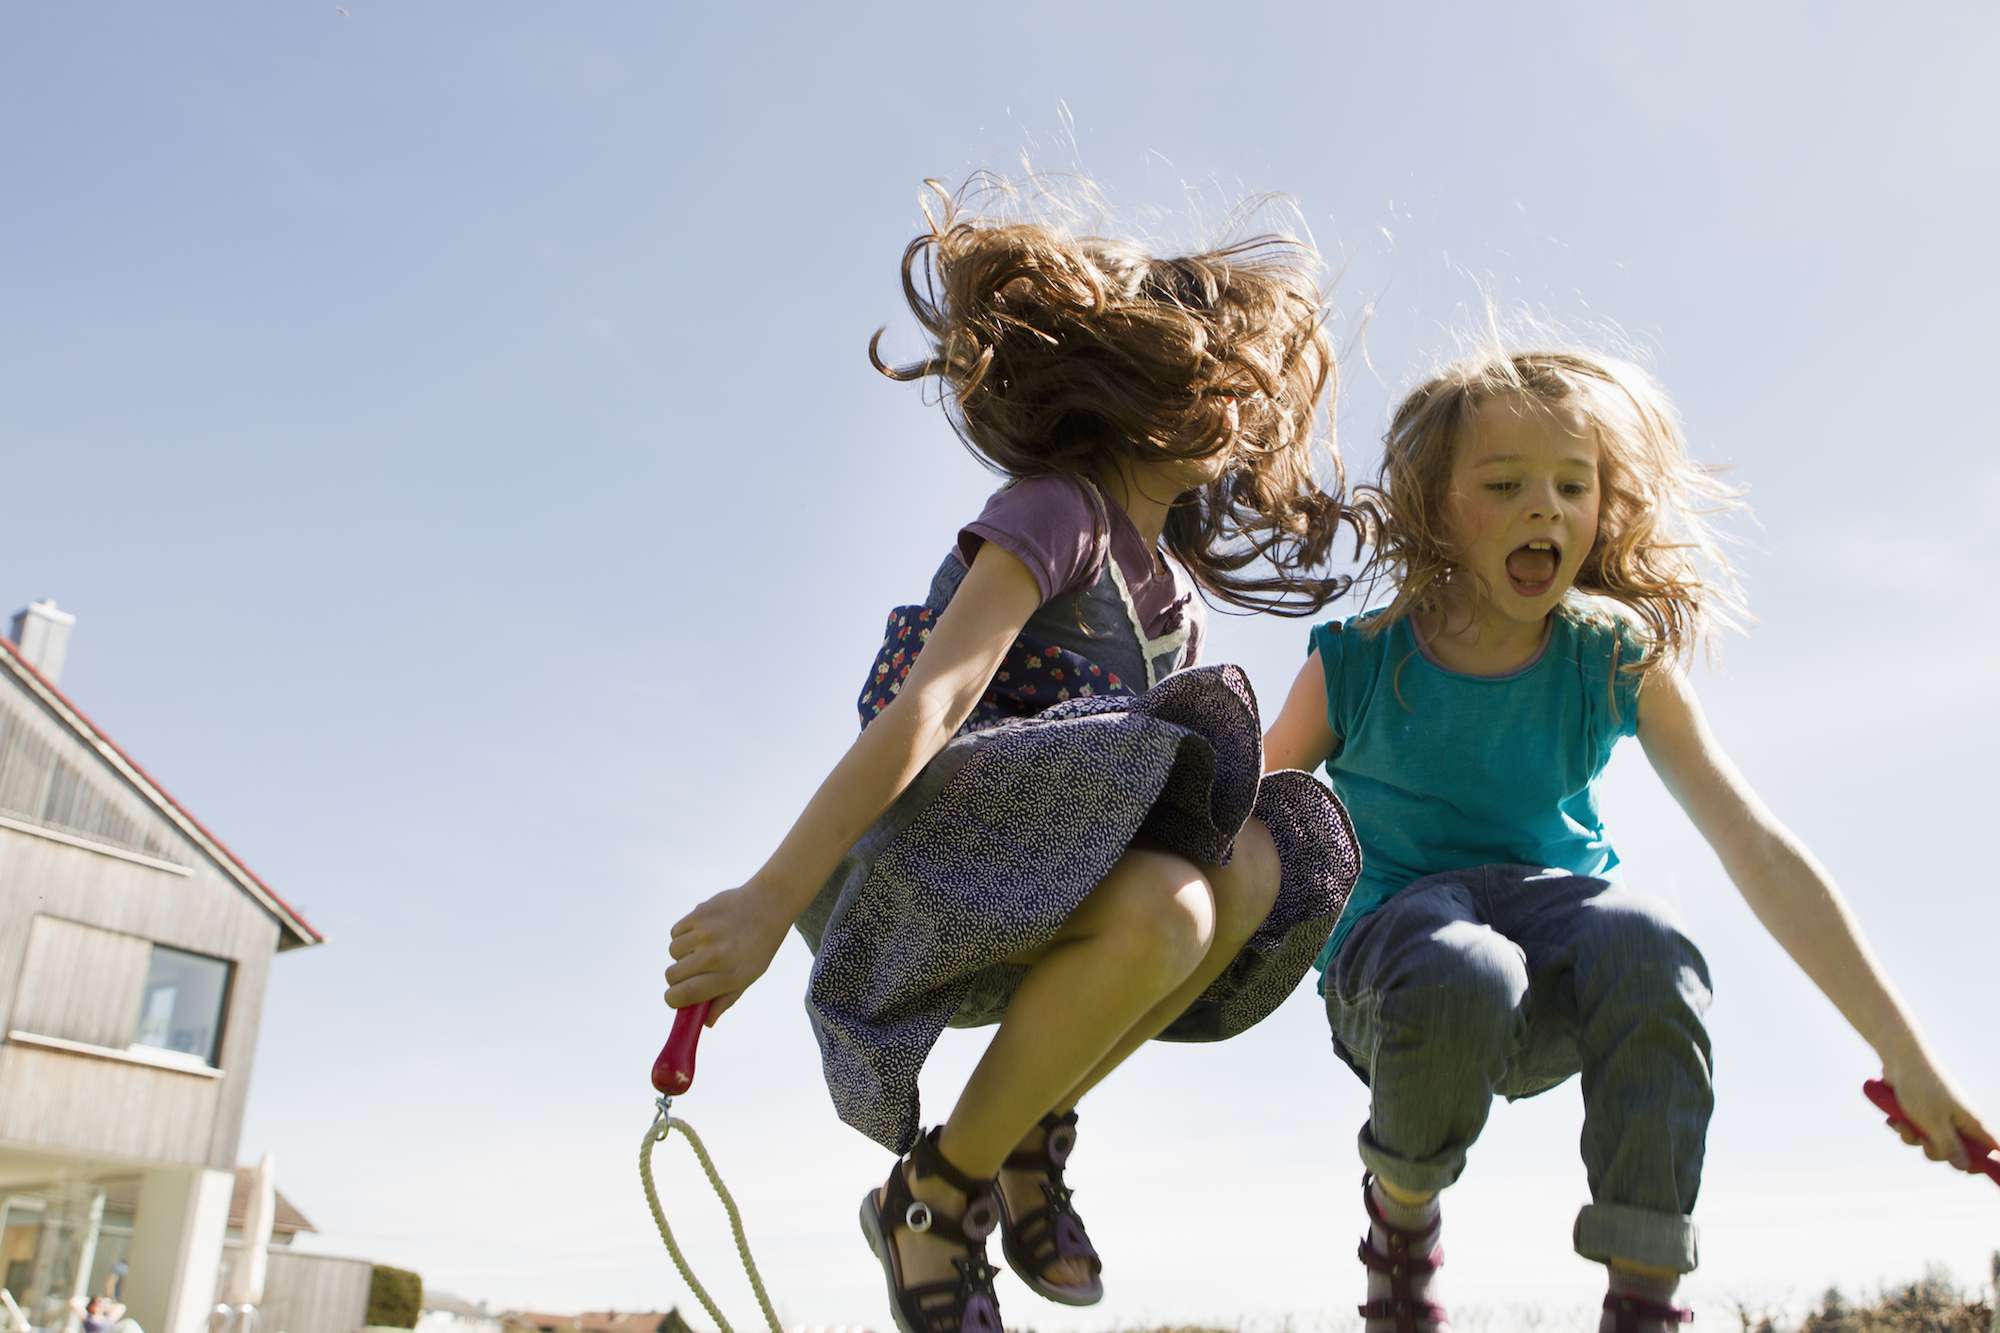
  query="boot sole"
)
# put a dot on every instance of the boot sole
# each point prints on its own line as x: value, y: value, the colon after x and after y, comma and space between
x: 878, y: 1245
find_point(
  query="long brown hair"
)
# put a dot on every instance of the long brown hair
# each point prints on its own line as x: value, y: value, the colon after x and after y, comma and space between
x: 1656, y: 553
x: 1065, y: 354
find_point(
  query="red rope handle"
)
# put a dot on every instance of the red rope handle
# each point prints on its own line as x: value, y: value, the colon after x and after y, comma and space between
x: 673, y: 1069
x: 1983, y: 1158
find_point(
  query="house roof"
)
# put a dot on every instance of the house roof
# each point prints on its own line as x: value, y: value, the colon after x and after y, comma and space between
x: 123, y: 1194
x: 295, y: 931
x: 285, y: 1216
x: 610, y: 1321
x: 593, y: 1321
x: 447, y: 1303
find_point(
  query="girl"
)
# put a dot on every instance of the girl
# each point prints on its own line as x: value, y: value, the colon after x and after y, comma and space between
x: 1540, y: 522
x: 1048, y: 821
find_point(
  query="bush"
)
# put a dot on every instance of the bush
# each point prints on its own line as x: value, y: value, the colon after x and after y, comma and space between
x: 395, y: 1297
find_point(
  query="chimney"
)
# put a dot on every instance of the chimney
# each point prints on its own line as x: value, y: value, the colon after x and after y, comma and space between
x: 41, y: 632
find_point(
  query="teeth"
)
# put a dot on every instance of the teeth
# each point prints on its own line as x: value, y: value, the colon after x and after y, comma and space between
x: 1541, y: 546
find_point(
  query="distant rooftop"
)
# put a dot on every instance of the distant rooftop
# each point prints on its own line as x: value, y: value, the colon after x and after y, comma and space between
x: 599, y: 1321
x: 286, y: 1219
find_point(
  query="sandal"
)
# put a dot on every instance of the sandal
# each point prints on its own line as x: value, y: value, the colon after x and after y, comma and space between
x: 1629, y: 1310
x: 1401, y: 1304
x: 964, y: 1304
x: 1054, y: 1231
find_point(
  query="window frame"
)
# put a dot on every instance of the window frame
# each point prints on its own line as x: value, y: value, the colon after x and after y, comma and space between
x: 220, y: 1032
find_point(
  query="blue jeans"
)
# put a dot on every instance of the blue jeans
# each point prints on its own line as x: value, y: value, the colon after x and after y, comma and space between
x: 1510, y: 979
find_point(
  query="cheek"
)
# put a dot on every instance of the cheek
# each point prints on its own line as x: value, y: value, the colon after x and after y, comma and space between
x: 1591, y: 524
x: 1465, y: 522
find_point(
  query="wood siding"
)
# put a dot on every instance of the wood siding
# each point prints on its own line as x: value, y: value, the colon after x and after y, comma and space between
x: 74, y: 924
x: 310, y: 1293
x: 47, y: 778
x: 63, y: 1102
x: 81, y: 983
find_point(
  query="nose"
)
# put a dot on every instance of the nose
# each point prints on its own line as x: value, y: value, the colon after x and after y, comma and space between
x: 1542, y: 505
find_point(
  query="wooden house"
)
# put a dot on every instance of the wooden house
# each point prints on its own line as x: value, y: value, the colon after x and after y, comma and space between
x: 135, y: 947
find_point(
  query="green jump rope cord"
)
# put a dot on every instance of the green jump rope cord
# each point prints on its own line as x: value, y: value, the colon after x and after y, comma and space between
x: 657, y: 1134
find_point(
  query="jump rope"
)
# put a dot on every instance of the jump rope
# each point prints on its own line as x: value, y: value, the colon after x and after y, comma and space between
x: 673, y: 1074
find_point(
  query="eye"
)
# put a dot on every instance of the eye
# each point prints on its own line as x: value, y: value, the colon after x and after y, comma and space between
x: 1502, y: 487
x: 1576, y: 488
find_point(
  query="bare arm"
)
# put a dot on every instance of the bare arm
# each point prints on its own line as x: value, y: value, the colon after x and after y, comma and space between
x: 728, y: 941
x: 1302, y: 736
x: 1795, y: 898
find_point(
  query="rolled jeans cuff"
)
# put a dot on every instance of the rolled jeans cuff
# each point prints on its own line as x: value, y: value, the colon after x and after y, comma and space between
x: 1607, y: 1231
x: 1413, y: 1176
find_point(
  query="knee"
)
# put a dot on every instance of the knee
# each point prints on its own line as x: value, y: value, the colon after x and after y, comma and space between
x: 1159, y: 910
x: 1635, y: 941
x: 1469, y: 989
x: 1246, y: 889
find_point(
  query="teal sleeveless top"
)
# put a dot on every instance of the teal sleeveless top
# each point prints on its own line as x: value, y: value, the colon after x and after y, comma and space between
x: 1445, y: 771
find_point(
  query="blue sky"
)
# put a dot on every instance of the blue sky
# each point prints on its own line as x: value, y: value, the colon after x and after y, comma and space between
x: 451, y: 427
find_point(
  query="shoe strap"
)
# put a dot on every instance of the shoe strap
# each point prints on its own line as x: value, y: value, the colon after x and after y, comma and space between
x: 1407, y: 1313
x: 1628, y: 1308
x: 1399, y: 1238
x: 1395, y: 1266
x: 1058, y: 1141
x: 928, y: 1159
x: 974, y: 1223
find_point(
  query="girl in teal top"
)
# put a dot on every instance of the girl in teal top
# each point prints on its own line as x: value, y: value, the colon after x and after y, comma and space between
x: 1423, y: 799
x: 1540, y: 522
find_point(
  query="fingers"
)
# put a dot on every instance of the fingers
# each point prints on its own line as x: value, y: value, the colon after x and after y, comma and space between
x: 1940, y: 1138
x: 696, y: 989
x: 685, y: 974
x: 1938, y: 1120
x: 1945, y: 1145
x: 1969, y: 1125
x: 1916, y: 1138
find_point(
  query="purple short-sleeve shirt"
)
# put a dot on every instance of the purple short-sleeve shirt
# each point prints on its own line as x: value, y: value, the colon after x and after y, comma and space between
x: 1060, y: 529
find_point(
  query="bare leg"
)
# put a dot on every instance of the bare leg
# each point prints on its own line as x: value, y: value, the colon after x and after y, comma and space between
x: 1243, y: 891
x: 1134, y: 941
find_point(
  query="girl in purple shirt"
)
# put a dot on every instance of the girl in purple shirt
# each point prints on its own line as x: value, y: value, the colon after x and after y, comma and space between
x: 1052, y: 819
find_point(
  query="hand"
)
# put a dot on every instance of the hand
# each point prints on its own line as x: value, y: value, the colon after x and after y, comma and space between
x: 720, y: 948
x: 1938, y: 1110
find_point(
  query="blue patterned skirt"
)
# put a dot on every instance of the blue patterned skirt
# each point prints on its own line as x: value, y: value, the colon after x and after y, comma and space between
x: 1000, y: 838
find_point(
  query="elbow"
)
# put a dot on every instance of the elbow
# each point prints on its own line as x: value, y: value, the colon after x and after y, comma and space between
x: 1775, y: 874
x: 926, y: 719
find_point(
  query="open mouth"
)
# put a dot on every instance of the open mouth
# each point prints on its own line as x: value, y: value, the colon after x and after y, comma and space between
x: 1531, y: 567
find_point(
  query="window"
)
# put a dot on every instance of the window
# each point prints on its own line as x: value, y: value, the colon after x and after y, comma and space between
x: 181, y: 1008
x: 20, y: 1234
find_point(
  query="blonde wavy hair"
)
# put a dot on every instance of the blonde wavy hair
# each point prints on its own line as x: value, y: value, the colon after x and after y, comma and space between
x: 1657, y: 552
x: 1063, y: 354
